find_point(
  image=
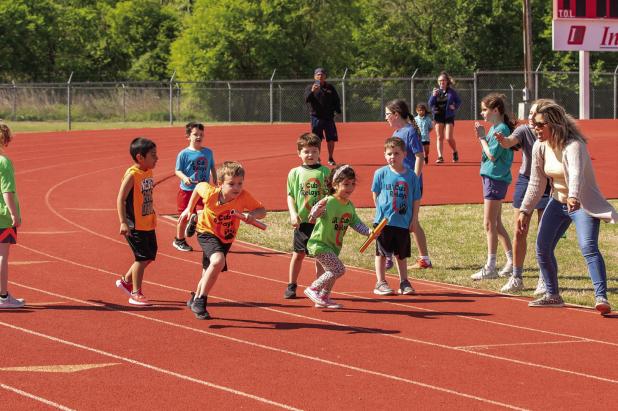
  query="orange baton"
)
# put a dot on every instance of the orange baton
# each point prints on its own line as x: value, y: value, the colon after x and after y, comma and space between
x: 374, y: 234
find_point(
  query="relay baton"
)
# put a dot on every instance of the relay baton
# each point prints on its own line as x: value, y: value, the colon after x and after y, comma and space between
x: 243, y: 217
x: 373, y: 235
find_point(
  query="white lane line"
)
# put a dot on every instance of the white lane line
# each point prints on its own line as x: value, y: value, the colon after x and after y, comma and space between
x: 35, y: 397
x: 522, y: 344
x: 253, y: 344
x: 146, y: 365
x: 89, y: 209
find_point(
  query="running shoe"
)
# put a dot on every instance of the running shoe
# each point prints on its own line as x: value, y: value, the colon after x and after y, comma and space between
x: 484, y: 274
x: 314, y: 296
x: 181, y: 245
x: 421, y: 264
x: 440, y: 160
x: 507, y: 270
x: 405, y: 288
x: 513, y: 285
x: 331, y: 162
x: 125, y: 287
x: 548, y: 301
x: 191, y: 225
x: 11, y: 302
x: 139, y: 299
x: 198, y: 306
x: 290, y: 292
x: 382, y: 288
x: 602, y: 305
x: 328, y: 303
x: 455, y: 157
x: 541, y: 288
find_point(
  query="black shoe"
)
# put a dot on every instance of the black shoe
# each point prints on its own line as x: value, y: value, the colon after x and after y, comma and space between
x: 427, y: 160
x: 455, y: 156
x: 181, y: 245
x: 290, y: 292
x: 198, y: 305
x: 440, y: 160
x: 190, y: 301
x: 331, y: 162
x: 190, y: 229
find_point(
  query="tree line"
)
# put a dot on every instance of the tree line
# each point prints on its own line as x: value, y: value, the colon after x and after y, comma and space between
x: 200, y: 40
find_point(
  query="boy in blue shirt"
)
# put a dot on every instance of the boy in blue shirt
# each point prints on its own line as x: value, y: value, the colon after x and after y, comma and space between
x: 194, y: 164
x: 396, y: 194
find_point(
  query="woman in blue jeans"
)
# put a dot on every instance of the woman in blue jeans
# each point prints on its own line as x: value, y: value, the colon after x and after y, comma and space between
x: 562, y: 157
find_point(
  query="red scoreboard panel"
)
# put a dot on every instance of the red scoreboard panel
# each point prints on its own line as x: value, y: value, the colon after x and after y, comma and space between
x: 589, y: 25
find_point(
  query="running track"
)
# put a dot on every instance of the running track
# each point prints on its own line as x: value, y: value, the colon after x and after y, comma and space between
x: 448, y: 346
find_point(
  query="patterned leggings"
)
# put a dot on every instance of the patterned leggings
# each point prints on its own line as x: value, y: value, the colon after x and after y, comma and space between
x: 333, y: 269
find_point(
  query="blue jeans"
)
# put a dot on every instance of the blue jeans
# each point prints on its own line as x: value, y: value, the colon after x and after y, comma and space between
x: 554, y: 223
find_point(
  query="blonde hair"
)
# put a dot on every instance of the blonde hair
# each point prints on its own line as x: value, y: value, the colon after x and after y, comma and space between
x: 562, y: 125
x: 393, y: 142
x: 231, y: 169
x: 5, y: 135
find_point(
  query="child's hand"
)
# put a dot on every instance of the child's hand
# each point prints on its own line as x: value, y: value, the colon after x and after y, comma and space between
x: 294, y: 220
x: 523, y: 223
x: 124, y: 229
x: 15, y: 220
x: 187, y: 181
x: 184, y: 216
x: 317, y: 210
x: 480, y: 130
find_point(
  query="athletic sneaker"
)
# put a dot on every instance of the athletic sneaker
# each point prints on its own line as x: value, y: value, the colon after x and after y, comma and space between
x: 331, y: 162
x: 421, y: 264
x: 314, y: 296
x: 548, y: 300
x: 127, y: 288
x: 198, y: 306
x: 440, y: 160
x: 507, y: 270
x: 181, y: 245
x: 389, y: 262
x: 455, y: 156
x: 602, y: 305
x: 290, y: 292
x: 426, y: 159
x: 382, y: 288
x: 191, y: 225
x: 405, y: 288
x: 484, y: 274
x: 328, y: 303
x: 514, y: 285
x: 541, y: 288
x: 139, y: 299
x: 11, y: 302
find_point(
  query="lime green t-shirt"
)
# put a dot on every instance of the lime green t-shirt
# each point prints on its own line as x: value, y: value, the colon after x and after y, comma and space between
x: 327, y: 235
x: 7, y: 185
x: 306, y: 185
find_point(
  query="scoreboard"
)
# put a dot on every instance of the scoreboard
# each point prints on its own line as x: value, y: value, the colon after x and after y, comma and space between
x: 585, y: 25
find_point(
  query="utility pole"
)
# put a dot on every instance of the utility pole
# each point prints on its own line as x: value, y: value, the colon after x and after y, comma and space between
x: 527, y: 37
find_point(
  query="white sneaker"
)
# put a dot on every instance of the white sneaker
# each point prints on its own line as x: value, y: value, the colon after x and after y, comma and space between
x: 484, y: 274
x: 507, y: 270
x: 328, y: 303
x: 382, y: 288
x: 513, y: 285
x: 541, y: 288
x: 11, y: 302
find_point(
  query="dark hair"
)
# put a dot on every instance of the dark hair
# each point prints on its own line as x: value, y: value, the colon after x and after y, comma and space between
x: 141, y: 145
x: 5, y: 134
x: 401, y: 107
x: 496, y: 100
x: 392, y: 142
x: 190, y: 126
x: 422, y: 106
x: 337, y: 175
x: 308, y: 140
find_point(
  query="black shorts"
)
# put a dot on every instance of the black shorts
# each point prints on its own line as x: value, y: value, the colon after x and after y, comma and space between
x: 301, y: 237
x: 8, y: 235
x: 440, y: 119
x: 394, y: 240
x: 143, y: 244
x: 425, y: 143
x: 324, y: 128
x: 211, y: 244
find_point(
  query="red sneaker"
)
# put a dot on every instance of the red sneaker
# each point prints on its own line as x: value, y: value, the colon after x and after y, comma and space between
x: 138, y: 299
x: 127, y: 288
x: 421, y: 264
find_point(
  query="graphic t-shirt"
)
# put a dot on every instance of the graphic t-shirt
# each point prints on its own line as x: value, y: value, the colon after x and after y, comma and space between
x: 7, y: 185
x: 500, y: 168
x: 306, y: 185
x: 216, y: 218
x: 330, y: 228
x: 139, y: 205
x: 196, y: 165
x: 395, y: 195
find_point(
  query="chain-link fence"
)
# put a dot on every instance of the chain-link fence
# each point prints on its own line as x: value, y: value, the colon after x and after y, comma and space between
x: 363, y: 99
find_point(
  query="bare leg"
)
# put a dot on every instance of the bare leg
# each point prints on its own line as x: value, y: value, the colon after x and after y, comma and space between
x: 136, y: 272
x: 210, y: 275
x: 420, y: 239
x: 4, y: 268
x: 450, y: 137
x: 331, y: 149
x: 380, y: 263
x: 439, y: 138
x: 295, y: 266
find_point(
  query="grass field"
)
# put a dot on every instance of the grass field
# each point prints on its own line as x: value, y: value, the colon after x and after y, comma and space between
x: 457, y: 247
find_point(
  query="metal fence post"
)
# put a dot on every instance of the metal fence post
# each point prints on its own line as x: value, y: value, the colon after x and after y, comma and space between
x: 280, y: 98
x: 475, y: 93
x: 124, y: 103
x: 412, y: 89
x: 271, y: 95
x: 536, y: 81
x: 343, y: 105
x: 615, y: 91
x: 69, y: 101
x: 178, y: 100
x: 14, y: 108
x: 229, y: 102
x: 512, y: 98
x: 171, y: 102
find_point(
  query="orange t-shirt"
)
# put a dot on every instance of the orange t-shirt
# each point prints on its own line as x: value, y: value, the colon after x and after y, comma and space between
x: 216, y: 218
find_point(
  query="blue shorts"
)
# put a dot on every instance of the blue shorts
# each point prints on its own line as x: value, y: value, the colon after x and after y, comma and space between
x: 324, y: 128
x: 520, y: 193
x: 494, y: 189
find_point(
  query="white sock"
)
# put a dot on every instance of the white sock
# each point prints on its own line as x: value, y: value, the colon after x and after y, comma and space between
x: 426, y: 258
x: 491, y: 262
x: 509, y: 257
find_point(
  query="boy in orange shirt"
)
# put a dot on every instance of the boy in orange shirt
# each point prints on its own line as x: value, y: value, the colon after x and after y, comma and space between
x: 217, y: 228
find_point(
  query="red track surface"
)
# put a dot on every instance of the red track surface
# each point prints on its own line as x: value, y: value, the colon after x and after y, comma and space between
x: 445, y: 347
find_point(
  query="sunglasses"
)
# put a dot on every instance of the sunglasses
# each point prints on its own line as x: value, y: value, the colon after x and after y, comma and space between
x: 539, y: 124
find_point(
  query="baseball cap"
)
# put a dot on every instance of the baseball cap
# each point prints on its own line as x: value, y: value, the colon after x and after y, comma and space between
x: 319, y: 70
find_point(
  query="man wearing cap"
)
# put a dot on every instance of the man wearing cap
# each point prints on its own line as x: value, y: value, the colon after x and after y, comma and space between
x: 323, y: 102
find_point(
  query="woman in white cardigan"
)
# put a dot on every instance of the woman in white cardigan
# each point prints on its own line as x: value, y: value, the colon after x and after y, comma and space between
x: 560, y: 155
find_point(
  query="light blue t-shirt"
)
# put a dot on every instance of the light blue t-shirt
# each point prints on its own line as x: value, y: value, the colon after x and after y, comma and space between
x: 500, y: 169
x: 196, y: 165
x: 424, y: 124
x: 396, y: 194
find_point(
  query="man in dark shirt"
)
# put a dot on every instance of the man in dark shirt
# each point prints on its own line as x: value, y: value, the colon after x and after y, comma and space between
x: 323, y: 102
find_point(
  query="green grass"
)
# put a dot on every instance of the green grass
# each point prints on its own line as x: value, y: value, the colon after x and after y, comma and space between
x: 457, y: 247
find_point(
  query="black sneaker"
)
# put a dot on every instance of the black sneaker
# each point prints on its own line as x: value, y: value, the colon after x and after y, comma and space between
x: 440, y: 160
x: 455, y: 156
x: 290, y: 292
x: 190, y: 301
x: 331, y: 162
x: 198, y: 306
x: 190, y: 229
x: 181, y: 245
x: 427, y: 160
